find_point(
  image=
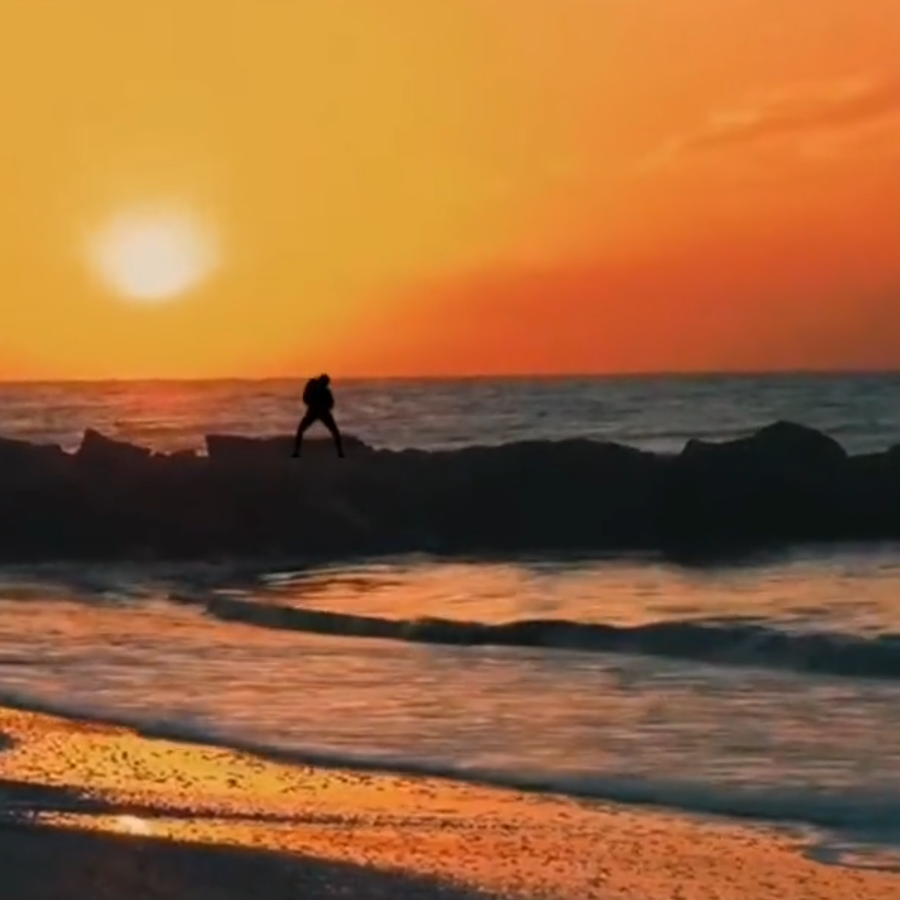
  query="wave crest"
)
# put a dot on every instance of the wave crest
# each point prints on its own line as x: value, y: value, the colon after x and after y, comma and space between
x: 741, y: 644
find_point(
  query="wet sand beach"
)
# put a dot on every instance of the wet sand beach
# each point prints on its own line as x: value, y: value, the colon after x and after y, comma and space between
x: 96, y: 811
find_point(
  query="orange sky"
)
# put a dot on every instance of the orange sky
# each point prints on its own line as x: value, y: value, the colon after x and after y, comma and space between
x: 457, y: 186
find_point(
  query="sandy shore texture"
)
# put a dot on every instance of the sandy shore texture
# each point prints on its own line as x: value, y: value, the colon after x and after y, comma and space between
x: 100, y: 812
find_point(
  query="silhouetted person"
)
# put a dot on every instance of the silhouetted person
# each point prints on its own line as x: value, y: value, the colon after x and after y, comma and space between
x: 319, y: 403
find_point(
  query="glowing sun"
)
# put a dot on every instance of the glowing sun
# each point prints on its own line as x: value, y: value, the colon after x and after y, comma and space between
x: 153, y: 258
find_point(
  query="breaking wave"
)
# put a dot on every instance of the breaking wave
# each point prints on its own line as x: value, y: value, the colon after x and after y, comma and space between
x: 733, y: 644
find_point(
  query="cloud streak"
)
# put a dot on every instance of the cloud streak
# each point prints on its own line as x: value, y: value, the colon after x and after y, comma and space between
x: 837, y: 108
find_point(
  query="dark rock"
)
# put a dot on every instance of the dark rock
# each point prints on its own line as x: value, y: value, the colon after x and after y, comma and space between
x: 784, y: 483
x: 25, y: 468
x: 97, y: 449
x: 784, y: 447
x: 15, y: 452
x: 19, y: 460
x: 240, y: 450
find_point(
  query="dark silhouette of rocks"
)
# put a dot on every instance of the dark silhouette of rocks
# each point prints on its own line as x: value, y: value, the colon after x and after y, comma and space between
x: 99, y: 450
x: 785, y: 483
x: 229, y: 448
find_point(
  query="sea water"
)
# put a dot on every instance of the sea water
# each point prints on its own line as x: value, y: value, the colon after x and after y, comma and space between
x: 766, y: 689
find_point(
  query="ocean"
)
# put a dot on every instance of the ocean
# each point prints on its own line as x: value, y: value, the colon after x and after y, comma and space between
x: 794, y: 722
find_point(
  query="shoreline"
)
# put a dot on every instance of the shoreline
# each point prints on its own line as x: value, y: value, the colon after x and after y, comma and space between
x: 121, y: 814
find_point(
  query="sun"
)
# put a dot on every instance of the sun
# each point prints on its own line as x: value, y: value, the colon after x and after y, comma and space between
x: 153, y: 258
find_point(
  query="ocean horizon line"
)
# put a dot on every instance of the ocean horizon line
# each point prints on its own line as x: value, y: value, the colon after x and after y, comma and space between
x: 636, y: 375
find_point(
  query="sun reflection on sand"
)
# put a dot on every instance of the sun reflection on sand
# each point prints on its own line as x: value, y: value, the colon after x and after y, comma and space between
x: 134, y: 825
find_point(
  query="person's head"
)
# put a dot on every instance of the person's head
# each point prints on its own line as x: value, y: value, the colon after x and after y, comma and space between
x: 324, y: 379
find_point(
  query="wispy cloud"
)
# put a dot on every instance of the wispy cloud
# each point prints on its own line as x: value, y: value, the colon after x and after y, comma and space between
x: 836, y: 109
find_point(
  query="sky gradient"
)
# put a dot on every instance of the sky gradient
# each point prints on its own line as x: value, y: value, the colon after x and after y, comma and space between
x: 398, y: 187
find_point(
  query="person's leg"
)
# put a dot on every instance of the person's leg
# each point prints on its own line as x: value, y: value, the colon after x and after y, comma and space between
x: 332, y: 426
x: 305, y: 422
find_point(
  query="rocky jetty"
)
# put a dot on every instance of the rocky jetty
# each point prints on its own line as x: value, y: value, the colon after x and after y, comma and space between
x: 247, y: 498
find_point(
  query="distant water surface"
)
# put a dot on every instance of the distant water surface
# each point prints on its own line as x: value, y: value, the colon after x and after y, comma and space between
x: 657, y: 413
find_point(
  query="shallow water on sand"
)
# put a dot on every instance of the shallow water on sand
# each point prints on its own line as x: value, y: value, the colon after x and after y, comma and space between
x: 743, y: 735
